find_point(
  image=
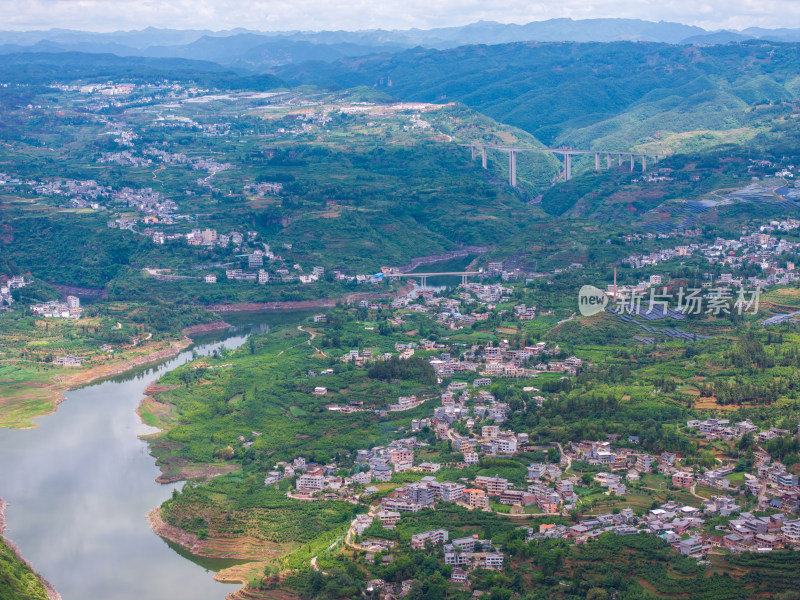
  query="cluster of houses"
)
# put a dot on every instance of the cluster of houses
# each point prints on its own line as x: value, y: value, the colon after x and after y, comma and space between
x: 684, y: 528
x: 196, y: 162
x: 633, y: 238
x: 81, y: 194
x: 470, y: 404
x: 69, y: 309
x: 464, y: 554
x: 11, y: 283
x: 69, y: 360
x: 89, y: 194
x: 457, y: 313
x: 107, y: 89
x: 470, y: 553
x: 211, y: 237
x: 153, y: 207
x: 504, y: 361
x: 773, y: 484
x: 264, y: 188
x: 280, y: 273
x: 373, y: 465
x: 760, y: 248
x: 722, y: 429
x: 124, y: 158
x: 423, y: 494
x: 127, y: 158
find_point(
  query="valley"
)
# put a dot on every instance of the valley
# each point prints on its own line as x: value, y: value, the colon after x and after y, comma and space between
x: 388, y: 320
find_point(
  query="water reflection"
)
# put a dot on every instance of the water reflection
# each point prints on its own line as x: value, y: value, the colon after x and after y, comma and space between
x: 79, y: 487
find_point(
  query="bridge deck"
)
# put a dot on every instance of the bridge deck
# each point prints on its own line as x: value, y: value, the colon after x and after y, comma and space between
x: 462, y: 273
x: 557, y: 150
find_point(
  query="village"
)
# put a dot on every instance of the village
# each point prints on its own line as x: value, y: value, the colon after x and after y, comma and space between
x: 762, y: 248
x: 719, y: 507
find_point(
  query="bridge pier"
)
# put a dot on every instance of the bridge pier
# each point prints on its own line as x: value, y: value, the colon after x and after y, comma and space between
x: 463, y: 280
x: 423, y: 282
x: 567, y: 153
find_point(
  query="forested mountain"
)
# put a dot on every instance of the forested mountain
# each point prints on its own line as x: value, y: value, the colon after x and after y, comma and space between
x: 45, y: 68
x: 593, y: 93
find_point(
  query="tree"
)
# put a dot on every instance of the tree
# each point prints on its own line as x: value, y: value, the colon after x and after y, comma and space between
x: 500, y: 594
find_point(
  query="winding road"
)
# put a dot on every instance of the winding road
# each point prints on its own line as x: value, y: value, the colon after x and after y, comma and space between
x: 313, y: 335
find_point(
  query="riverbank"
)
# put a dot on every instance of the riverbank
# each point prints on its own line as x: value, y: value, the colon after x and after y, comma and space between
x: 204, y: 328
x: 176, y: 535
x: 36, y: 390
x: 51, y: 592
x: 300, y: 305
x: 244, y: 548
x: 29, y: 390
x: 98, y: 433
x: 257, y: 554
x: 38, y: 394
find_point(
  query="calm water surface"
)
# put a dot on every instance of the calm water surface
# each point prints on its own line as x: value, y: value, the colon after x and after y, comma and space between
x: 80, y: 485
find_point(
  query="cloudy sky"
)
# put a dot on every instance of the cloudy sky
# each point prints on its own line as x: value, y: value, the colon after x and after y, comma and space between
x: 109, y: 15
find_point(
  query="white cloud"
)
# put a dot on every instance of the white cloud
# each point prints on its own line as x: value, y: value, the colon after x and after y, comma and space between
x: 105, y: 15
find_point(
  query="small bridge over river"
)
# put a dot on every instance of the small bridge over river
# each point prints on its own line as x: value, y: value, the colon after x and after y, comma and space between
x: 566, y: 153
x: 423, y: 277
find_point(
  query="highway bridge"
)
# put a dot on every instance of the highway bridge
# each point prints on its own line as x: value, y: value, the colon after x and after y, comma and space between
x: 567, y: 153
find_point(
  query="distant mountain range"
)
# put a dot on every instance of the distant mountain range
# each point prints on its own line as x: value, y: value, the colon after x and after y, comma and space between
x: 255, y: 51
x: 42, y: 68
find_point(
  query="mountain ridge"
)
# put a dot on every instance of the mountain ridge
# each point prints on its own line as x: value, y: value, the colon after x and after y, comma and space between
x: 258, y: 50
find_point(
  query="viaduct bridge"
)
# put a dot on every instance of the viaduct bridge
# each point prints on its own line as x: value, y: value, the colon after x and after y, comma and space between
x: 567, y: 153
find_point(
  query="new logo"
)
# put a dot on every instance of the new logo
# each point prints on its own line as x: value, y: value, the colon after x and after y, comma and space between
x: 591, y: 300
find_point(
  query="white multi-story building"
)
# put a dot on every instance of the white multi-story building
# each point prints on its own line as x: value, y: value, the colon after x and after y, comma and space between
x: 452, y: 491
x: 310, y: 482
x: 471, y: 458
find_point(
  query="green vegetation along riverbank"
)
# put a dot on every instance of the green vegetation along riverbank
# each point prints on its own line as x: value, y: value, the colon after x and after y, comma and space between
x: 18, y: 580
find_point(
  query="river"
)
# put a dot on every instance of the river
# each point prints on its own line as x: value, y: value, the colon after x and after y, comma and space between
x: 80, y: 485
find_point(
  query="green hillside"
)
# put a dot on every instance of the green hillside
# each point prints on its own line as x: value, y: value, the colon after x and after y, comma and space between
x: 17, y: 581
x: 608, y: 96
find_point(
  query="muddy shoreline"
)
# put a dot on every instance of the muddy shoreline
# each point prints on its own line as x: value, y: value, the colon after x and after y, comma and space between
x: 101, y: 372
x: 176, y: 535
x: 204, y: 328
x: 52, y: 594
